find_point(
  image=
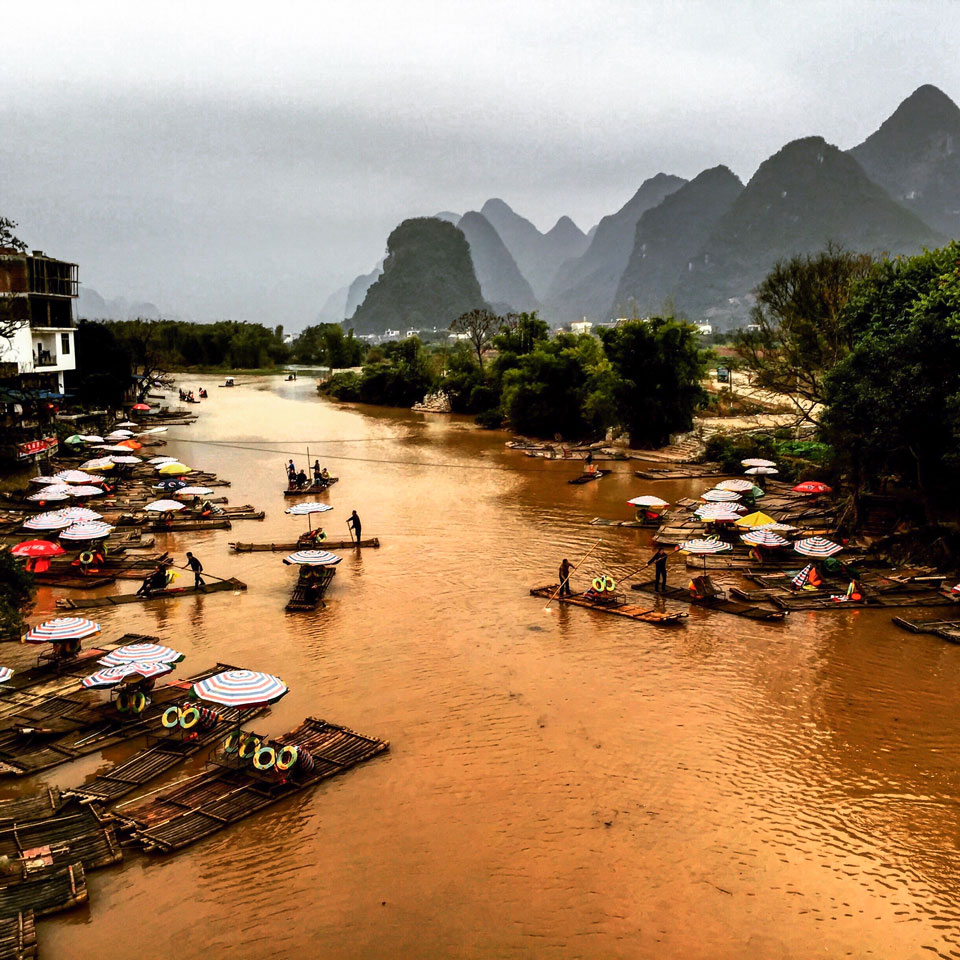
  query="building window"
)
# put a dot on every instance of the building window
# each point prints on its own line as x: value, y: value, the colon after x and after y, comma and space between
x: 65, y: 343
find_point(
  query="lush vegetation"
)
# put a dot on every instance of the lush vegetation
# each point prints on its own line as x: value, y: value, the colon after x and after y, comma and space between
x: 16, y: 590
x: 397, y: 375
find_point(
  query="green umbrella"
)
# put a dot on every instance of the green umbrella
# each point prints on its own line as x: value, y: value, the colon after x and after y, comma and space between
x: 75, y: 438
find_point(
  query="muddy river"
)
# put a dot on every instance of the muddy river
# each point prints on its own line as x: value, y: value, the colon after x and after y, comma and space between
x: 559, y: 784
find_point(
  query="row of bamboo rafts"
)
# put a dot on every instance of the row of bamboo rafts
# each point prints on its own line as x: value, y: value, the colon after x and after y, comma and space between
x: 301, y: 544
x: 719, y: 603
x: 57, y: 727
x: 834, y: 597
x: 227, y: 792
x: 170, y: 593
x: 616, y: 605
x: 186, y: 518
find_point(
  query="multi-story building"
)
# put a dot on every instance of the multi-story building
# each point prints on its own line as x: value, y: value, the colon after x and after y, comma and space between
x: 36, y: 308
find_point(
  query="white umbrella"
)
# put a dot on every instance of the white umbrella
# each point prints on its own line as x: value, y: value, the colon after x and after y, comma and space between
x: 317, y: 558
x: 86, y: 491
x: 302, y: 509
x: 46, y: 480
x: 159, y: 461
x: 92, y: 530
x: 91, y: 438
x: 720, y: 496
x: 756, y: 462
x: 192, y: 492
x: 78, y: 476
x: 120, y: 435
x: 817, y: 547
x: 127, y: 460
x: 50, y: 494
x: 98, y: 463
x: 737, y: 484
x: 78, y: 514
x: 127, y: 423
x: 162, y: 506
x: 761, y: 471
x: 764, y: 538
x: 648, y: 501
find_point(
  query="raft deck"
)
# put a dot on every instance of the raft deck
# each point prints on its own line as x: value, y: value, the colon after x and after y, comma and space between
x: 587, y: 477
x: 171, y: 593
x: 619, y: 608
x: 18, y: 937
x: 723, y: 605
x: 682, y: 471
x: 312, y: 488
x: 294, y: 545
x: 49, y: 891
x: 307, y: 594
x: 948, y: 630
x: 223, y: 796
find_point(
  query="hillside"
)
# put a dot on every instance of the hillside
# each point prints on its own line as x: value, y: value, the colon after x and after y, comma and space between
x: 669, y: 236
x: 915, y: 156
x: 501, y: 282
x: 587, y: 285
x: 428, y: 280
x: 807, y: 194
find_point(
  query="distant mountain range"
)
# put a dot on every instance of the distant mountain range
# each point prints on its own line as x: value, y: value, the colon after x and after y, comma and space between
x: 91, y: 306
x: 701, y: 245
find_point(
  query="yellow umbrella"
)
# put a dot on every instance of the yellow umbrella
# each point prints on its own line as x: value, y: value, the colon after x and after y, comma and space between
x: 173, y: 469
x: 754, y: 520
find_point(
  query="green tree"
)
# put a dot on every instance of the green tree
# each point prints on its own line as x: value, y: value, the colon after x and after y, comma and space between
x: 894, y: 399
x: 479, y: 326
x: 658, y: 367
x: 800, y: 335
x: 16, y: 590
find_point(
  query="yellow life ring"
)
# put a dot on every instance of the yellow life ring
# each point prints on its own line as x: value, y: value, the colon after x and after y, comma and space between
x: 598, y: 583
x: 171, y: 717
x: 287, y: 757
x: 249, y: 745
x: 609, y: 583
x: 190, y: 717
x: 232, y: 742
x: 264, y: 758
x: 71, y: 647
x: 86, y: 558
x: 123, y: 701
x: 138, y: 702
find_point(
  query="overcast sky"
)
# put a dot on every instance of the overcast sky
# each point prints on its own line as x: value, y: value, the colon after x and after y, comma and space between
x: 243, y: 160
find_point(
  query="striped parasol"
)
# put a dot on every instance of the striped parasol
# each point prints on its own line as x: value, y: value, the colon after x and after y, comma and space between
x: 756, y: 462
x: 240, y: 688
x: 192, y: 492
x: 50, y: 494
x: 51, y: 520
x: 111, y: 676
x: 704, y: 547
x: 817, y: 547
x: 79, y: 514
x: 737, y: 484
x: 81, y: 490
x: 648, y: 500
x: 46, y: 480
x: 141, y: 653
x: 720, y: 496
x: 158, y: 461
x: 802, y: 578
x: 316, y: 558
x: 713, y: 512
x: 98, y: 463
x: 77, y: 476
x: 62, y: 629
x: 302, y: 509
x: 162, y: 506
x: 86, y: 530
x: 764, y: 538
x: 126, y: 460
x: 5, y: 674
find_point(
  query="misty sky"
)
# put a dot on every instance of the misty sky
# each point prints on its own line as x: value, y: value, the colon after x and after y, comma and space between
x: 242, y: 161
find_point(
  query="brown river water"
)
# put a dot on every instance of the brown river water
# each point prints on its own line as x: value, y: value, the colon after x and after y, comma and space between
x: 559, y: 783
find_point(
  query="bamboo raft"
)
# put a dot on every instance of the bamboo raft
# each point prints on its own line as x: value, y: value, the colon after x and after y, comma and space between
x: 18, y: 937
x: 207, y: 523
x: 171, y: 593
x: 587, y: 477
x: 632, y: 524
x: 682, y: 471
x: 311, y: 488
x: 58, y: 728
x: 224, y: 795
x: 948, y: 630
x: 308, y: 593
x: 296, y: 545
x: 723, y: 605
x: 620, y: 608
x: 74, y: 832
x: 162, y: 753
x: 821, y: 600
x: 48, y: 891
x: 65, y: 581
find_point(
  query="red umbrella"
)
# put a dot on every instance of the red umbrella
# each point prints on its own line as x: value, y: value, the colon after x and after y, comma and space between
x: 37, y: 548
x: 140, y: 406
x: 812, y: 486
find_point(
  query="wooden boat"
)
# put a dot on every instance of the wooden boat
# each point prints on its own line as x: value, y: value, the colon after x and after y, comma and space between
x: 309, y: 590
x: 620, y: 608
x: 296, y: 545
x: 18, y: 937
x: 316, y: 487
x: 722, y: 604
x: 61, y: 727
x: 948, y: 630
x: 225, y: 794
x: 587, y: 477
x: 171, y: 593
x: 71, y: 581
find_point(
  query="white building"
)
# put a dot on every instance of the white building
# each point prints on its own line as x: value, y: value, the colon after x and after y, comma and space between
x: 704, y: 328
x: 37, y: 294
x: 581, y: 326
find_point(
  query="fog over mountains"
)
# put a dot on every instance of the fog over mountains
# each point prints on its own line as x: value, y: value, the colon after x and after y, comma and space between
x: 702, y: 245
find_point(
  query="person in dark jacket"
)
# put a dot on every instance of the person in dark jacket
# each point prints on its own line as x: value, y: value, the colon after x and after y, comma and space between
x: 659, y: 559
x: 354, y: 523
x: 565, y: 571
x: 197, y: 567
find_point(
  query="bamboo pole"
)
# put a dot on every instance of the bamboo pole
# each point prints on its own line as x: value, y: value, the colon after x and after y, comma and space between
x: 572, y: 572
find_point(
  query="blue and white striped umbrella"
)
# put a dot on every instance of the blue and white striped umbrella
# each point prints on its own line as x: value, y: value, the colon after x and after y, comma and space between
x: 82, y: 490
x: 240, y: 688
x: 50, y: 494
x: 720, y: 496
x: 316, y: 558
x: 719, y: 511
x: 87, y: 530
x: 302, y: 509
x: 5, y: 674
x: 704, y: 547
x: 51, y: 520
x: 80, y: 514
x: 737, y: 484
x: 111, y: 676
x: 764, y: 538
x: 62, y: 629
x: 817, y: 547
x: 46, y: 480
x: 141, y: 653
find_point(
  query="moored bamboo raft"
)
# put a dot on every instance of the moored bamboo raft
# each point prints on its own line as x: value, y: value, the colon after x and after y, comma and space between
x: 171, y: 593
x: 722, y: 604
x: 682, y: 471
x: 225, y: 794
x: 296, y: 545
x: 619, y: 608
x: 18, y: 937
x: 75, y: 832
x: 308, y: 591
x: 48, y: 891
x: 311, y: 488
x: 948, y: 630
